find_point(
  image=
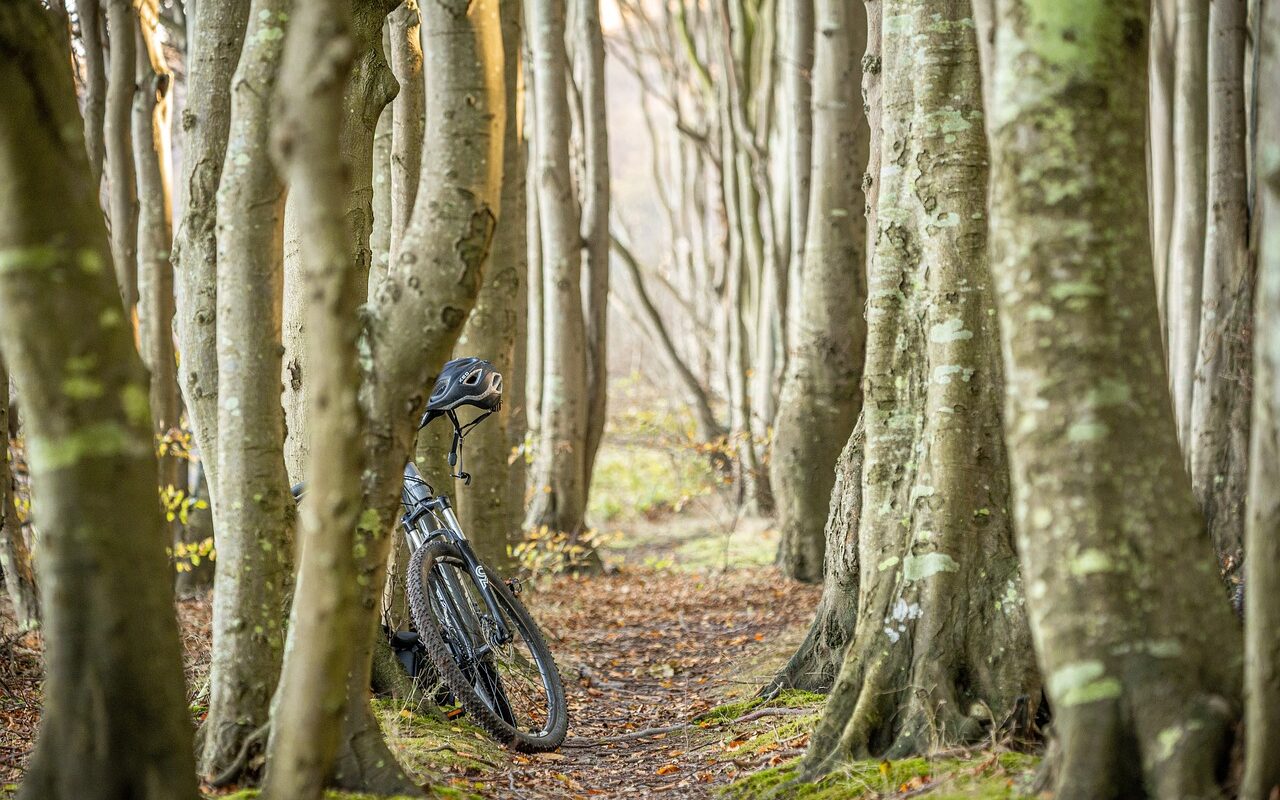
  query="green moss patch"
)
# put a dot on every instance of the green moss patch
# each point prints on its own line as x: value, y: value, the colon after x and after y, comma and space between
x: 789, y: 698
x: 984, y: 776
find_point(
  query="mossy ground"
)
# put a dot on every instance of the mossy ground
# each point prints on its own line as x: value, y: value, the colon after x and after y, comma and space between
x: 453, y: 759
x: 983, y: 776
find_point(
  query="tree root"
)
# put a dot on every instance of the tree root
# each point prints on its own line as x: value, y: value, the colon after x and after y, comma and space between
x: 237, y: 765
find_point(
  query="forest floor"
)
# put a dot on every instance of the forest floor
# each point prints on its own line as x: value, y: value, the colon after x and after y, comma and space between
x: 661, y: 656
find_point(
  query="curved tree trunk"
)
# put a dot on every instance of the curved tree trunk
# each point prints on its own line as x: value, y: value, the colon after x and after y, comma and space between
x: 115, y: 720
x: 1262, y: 526
x: 559, y: 493
x: 256, y: 510
x: 941, y: 652
x: 1221, y: 400
x: 1142, y: 671
x: 307, y: 712
x: 708, y: 428
x: 415, y: 319
x: 211, y: 61
x: 492, y: 508
x: 1186, y: 242
x: 122, y: 21
x: 821, y: 395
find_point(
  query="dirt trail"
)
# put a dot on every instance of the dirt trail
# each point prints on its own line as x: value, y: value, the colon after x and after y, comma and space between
x: 653, y: 649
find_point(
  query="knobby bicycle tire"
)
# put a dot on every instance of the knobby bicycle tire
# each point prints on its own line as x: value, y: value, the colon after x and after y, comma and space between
x: 421, y: 564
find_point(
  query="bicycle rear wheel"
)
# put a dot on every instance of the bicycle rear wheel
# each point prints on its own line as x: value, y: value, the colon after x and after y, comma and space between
x: 512, y: 690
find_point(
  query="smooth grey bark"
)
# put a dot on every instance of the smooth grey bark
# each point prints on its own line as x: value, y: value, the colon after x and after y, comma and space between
x: 255, y: 512
x: 306, y: 716
x: 821, y: 395
x: 16, y: 565
x: 151, y: 123
x: 115, y: 721
x: 798, y: 77
x: 405, y: 56
x: 1262, y: 523
x: 1160, y: 143
x: 95, y: 85
x: 1186, y: 243
x: 559, y: 492
x: 122, y: 21
x: 492, y: 508
x: 1220, y: 403
x: 1142, y: 672
x: 211, y: 61
x: 589, y: 69
x: 941, y: 652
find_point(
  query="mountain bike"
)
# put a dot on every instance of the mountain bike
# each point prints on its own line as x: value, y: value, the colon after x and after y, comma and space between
x: 480, y: 641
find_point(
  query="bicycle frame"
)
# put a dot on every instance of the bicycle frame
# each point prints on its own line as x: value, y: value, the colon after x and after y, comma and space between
x: 429, y: 516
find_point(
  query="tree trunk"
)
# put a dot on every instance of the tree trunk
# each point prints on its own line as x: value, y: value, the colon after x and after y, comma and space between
x: 95, y: 86
x: 306, y: 715
x: 415, y: 319
x: 1142, y: 671
x: 255, y: 509
x: 815, y: 664
x: 16, y: 566
x: 533, y: 242
x: 408, y: 120
x: 595, y: 227
x: 821, y: 395
x: 211, y: 62
x: 798, y: 76
x: 1186, y: 242
x: 559, y: 493
x: 941, y: 651
x: 1262, y: 525
x: 370, y: 87
x: 122, y: 20
x: 115, y: 721
x: 492, y: 509
x: 1221, y: 400
x: 1160, y: 144
x: 155, y: 237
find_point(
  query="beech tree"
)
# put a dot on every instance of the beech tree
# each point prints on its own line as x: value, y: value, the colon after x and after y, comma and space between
x: 1262, y: 520
x: 492, y: 508
x: 821, y: 395
x: 115, y: 718
x: 211, y: 63
x: 1134, y: 661
x: 256, y: 510
x: 941, y: 628
x: 558, y: 488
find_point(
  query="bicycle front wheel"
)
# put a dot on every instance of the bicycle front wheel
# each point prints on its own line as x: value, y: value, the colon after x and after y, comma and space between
x: 510, y: 689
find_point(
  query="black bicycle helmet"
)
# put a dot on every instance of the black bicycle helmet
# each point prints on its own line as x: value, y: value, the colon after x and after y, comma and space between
x: 465, y: 382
